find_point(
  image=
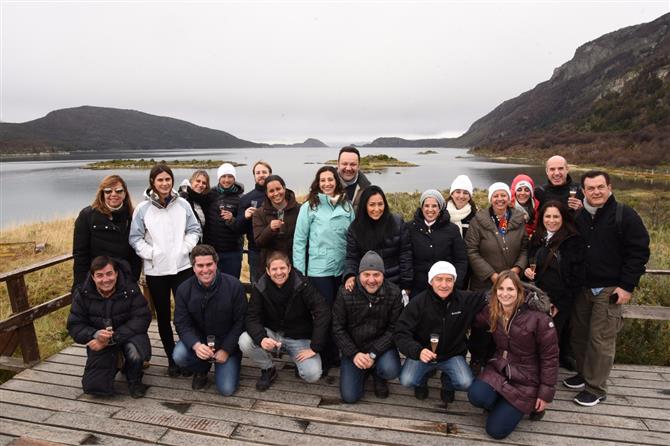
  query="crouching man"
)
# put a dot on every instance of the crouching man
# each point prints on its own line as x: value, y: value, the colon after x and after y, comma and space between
x: 110, y: 315
x: 210, y: 308
x: 286, y: 314
x: 363, y: 323
x: 431, y: 333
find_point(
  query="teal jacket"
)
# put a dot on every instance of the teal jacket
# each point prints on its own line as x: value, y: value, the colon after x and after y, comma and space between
x: 324, y: 230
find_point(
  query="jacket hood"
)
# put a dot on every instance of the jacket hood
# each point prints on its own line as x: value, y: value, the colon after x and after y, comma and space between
x: 153, y: 197
x: 89, y: 289
x: 236, y: 189
x: 290, y: 202
x: 536, y: 299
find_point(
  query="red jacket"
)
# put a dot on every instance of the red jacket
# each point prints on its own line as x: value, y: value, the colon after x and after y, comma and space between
x: 525, y: 365
x: 531, y: 224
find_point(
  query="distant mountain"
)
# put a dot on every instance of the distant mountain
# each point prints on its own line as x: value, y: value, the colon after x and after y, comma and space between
x: 99, y: 128
x: 309, y: 142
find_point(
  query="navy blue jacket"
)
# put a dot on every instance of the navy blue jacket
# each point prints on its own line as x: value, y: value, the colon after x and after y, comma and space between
x: 245, y: 226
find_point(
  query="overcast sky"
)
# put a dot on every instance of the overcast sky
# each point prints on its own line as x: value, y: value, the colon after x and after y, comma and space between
x: 284, y: 71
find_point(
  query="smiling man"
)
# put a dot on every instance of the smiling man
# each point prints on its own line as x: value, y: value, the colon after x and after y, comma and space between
x: 348, y: 169
x: 617, y: 249
x: 431, y: 333
x: 559, y: 185
x: 363, y: 323
x: 209, y: 316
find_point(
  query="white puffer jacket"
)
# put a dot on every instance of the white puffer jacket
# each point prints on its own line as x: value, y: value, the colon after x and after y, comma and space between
x: 163, y: 236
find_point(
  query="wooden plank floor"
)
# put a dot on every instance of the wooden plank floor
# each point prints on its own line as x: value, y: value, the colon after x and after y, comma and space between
x: 46, y: 403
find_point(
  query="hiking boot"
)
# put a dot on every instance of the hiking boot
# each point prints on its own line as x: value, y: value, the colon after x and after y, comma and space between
x: 574, y: 382
x: 380, y: 386
x: 137, y: 389
x: 199, y: 380
x: 266, y: 379
x: 421, y: 392
x: 537, y: 416
x: 586, y: 398
x: 173, y: 370
x: 447, y: 395
x: 186, y: 373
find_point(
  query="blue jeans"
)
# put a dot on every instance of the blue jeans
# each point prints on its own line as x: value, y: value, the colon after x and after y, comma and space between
x: 456, y: 374
x: 309, y: 369
x: 255, y: 268
x: 352, y: 379
x: 230, y: 262
x: 503, y: 417
x: 226, y: 375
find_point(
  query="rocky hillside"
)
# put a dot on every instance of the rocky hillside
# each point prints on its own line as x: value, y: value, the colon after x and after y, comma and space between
x: 98, y: 128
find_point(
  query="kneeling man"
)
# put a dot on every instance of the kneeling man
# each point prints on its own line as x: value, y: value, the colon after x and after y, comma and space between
x: 363, y: 323
x: 431, y: 333
x: 286, y: 314
x: 209, y: 315
x: 110, y: 315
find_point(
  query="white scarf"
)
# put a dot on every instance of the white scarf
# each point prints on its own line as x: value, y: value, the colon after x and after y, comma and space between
x: 457, y: 215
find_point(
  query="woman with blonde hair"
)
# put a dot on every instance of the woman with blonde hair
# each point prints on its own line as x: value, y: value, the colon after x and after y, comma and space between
x: 520, y: 379
x: 194, y: 190
x: 102, y: 229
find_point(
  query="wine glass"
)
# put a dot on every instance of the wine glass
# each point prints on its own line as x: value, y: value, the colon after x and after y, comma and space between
x: 211, y: 342
x: 109, y: 326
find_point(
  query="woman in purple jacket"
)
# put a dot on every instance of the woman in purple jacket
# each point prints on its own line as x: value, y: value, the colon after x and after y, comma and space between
x: 520, y: 379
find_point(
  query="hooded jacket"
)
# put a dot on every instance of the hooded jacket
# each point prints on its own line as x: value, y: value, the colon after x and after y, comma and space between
x: 531, y: 223
x: 525, y: 364
x: 268, y: 240
x: 489, y: 252
x: 224, y: 236
x: 164, y: 235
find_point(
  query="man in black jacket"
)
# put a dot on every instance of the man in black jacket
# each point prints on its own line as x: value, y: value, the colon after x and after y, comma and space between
x: 286, y: 314
x: 110, y: 316
x: 348, y: 169
x: 363, y: 323
x: 431, y: 333
x: 617, y: 249
x: 210, y: 308
x: 559, y: 186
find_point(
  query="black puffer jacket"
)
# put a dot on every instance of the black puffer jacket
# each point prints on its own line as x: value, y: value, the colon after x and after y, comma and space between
x: 365, y: 323
x: 126, y: 307
x: 442, y: 241
x: 223, y: 235
x: 305, y: 315
x: 96, y: 234
x: 548, y: 192
x: 245, y: 226
x: 219, y: 310
x: 396, y: 251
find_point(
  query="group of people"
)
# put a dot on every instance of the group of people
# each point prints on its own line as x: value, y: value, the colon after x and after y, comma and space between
x: 341, y: 281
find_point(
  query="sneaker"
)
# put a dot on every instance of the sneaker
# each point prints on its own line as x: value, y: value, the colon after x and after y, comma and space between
x: 199, y: 381
x: 447, y: 395
x: 574, y: 382
x: 268, y: 376
x: 421, y: 392
x: 537, y: 416
x: 173, y: 370
x: 381, y: 388
x: 137, y: 389
x: 586, y: 398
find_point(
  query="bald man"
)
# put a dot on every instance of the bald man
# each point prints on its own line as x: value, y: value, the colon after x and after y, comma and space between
x: 559, y: 185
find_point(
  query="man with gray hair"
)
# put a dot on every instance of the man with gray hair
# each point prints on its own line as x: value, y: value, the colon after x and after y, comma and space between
x: 363, y: 323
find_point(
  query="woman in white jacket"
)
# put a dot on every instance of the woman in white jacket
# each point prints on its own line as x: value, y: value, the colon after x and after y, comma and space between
x: 163, y: 232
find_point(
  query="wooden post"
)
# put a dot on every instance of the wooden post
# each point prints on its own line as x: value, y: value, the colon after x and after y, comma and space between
x: 18, y: 297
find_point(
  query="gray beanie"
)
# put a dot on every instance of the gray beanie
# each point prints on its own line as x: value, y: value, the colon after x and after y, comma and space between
x: 371, y: 262
x: 432, y: 193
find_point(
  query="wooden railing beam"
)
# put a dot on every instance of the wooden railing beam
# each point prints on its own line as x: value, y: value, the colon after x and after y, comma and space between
x: 18, y: 298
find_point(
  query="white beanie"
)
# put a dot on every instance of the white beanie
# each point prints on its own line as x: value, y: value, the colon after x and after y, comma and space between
x: 441, y: 267
x: 461, y: 182
x: 499, y: 186
x: 226, y: 169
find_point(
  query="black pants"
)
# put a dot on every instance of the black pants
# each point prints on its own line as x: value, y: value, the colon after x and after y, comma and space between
x: 160, y: 288
x: 327, y: 287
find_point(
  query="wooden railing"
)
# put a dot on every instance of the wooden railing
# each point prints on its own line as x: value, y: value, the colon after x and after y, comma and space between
x: 18, y: 330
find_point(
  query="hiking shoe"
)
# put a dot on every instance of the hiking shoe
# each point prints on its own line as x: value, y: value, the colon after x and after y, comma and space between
x: 380, y: 386
x: 537, y: 416
x: 137, y: 389
x: 421, y: 392
x: 447, y: 395
x: 186, y: 373
x: 268, y: 376
x: 574, y: 382
x: 199, y: 381
x: 173, y: 370
x: 586, y: 398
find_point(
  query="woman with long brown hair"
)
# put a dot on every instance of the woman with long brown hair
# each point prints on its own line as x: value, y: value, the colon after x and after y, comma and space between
x: 102, y: 229
x: 520, y: 379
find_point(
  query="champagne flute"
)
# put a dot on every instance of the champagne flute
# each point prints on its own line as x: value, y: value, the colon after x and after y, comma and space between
x: 573, y: 191
x: 109, y: 326
x: 280, y: 217
x: 434, y: 340
x: 211, y: 342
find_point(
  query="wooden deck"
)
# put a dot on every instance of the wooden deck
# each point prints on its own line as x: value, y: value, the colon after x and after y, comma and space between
x: 46, y: 403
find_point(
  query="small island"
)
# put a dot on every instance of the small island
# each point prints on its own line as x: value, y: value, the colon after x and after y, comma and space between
x: 371, y: 163
x: 427, y: 152
x: 148, y: 164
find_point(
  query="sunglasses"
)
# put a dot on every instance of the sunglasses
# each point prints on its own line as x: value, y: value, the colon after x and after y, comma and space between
x: 109, y: 190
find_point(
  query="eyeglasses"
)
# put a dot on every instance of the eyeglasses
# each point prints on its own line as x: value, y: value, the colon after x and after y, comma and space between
x: 118, y: 190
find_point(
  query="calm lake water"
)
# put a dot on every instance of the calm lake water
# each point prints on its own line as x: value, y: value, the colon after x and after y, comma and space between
x: 47, y: 189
